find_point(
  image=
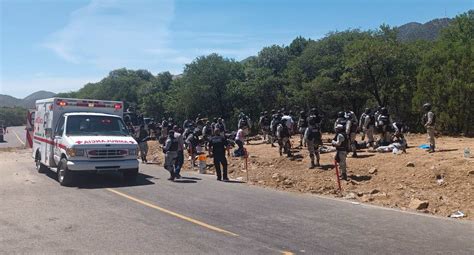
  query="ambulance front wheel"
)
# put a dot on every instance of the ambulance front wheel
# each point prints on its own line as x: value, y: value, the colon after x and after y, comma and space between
x: 64, y: 175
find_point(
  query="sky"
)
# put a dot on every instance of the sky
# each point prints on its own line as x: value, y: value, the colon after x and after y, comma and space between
x: 60, y: 45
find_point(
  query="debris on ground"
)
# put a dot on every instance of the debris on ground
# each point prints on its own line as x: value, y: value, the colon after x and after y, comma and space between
x: 416, y: 204
x: 457, y: 214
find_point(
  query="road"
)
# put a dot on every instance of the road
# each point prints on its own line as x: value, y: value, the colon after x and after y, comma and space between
x: 15, y: 138
x: 200, y: 215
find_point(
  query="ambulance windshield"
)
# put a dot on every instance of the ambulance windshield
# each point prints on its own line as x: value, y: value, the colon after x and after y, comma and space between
x: 87, y: 125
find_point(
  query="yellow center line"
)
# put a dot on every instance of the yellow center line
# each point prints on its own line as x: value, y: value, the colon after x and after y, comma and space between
x: 177, y: 215
x: 18, y: 137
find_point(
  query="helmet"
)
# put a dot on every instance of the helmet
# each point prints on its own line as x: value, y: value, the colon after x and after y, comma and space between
x: 302, y: 113
x: 341, y: 114
x: 273, y: 111
x: 265, y: 112
x: 314, y: 111
x: 427, y: 106
x: 367, y: 110
x: 384, y: 111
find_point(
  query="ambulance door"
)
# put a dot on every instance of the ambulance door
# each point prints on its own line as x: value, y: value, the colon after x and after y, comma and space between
x: 58, y: 139
x: 48, y: 134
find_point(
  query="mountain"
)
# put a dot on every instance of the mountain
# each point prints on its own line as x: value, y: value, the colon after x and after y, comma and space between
x: 27, y: 102
x: 428, y: 31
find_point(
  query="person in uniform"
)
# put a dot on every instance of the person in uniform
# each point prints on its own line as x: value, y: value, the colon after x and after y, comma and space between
x: 143, y: 137
x: 171, y: 154
x: 302, y: 125
x: 180, y: 153
x: 368, y: 128
x: 283, y: 135
x: 362, y: 122
x: 217, y: 148
x: 312, y: 137
x: 341, y: 143
x: 351, y: 130
x: 429, y: 121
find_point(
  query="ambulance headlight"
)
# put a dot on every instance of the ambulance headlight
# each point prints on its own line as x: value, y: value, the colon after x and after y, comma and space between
x: 132, y: 152
x: 73, y: 152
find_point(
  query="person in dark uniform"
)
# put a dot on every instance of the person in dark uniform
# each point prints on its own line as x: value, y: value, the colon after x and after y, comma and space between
x: 217, y: 147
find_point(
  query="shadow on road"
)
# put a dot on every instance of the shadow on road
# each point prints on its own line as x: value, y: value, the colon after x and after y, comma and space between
x: 105, y: 180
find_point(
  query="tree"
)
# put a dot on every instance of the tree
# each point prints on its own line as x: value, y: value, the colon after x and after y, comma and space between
x: 446, y: 77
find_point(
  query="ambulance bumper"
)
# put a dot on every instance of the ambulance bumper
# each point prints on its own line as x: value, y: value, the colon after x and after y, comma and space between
x: 115, y: 165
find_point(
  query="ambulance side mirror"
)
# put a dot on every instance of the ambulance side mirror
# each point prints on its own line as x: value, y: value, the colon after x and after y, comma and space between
x: 48, y: 132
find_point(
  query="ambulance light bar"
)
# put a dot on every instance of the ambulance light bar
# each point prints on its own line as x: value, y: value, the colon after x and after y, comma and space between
x: 90, y: 104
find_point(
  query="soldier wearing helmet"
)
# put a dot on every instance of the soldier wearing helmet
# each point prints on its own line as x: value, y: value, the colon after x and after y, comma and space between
x: 429, y: 121
x: 313, y: 137
x: 302, y: 125
x: 341, y: 142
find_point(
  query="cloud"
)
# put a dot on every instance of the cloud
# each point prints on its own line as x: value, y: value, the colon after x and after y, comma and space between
x: 112, y: 33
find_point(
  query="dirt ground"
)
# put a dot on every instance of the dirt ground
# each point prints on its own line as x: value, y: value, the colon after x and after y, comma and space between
x: 439, y: 183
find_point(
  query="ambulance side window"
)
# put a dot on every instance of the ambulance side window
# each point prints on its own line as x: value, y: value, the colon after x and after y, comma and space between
x: 60, y: 127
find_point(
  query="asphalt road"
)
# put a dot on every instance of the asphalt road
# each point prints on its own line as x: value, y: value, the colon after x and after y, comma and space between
x: 200, y: 215
x: 15, y: 138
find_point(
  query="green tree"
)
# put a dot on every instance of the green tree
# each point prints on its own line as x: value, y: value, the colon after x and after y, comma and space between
x: 446, y: 77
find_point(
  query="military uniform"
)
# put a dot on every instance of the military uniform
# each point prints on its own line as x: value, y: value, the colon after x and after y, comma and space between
x: 430, y: 120
x: 340, y: 141
x: 313, y: 139
x: 171, y: 154
x: 283, y: 135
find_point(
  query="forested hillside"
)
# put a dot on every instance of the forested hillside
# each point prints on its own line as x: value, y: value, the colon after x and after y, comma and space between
x: 353, y: 68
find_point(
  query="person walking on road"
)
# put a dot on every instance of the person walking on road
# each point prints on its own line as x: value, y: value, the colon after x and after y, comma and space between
x: 180, y: 153
x: 429, y: 121
x: 171, y: 154
x: 143, y: 137
x: 217, y: 148
x: 341, y: 142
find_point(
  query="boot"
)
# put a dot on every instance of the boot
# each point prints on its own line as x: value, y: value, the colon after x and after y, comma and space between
x: 431, y: 149
x: 317, y: 163
x: 344, y: 176
x: 312, y: 165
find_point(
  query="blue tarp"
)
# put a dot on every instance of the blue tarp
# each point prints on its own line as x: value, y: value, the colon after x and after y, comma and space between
x: 424, y: 146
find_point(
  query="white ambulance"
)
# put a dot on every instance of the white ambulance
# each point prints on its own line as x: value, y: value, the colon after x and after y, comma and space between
x: 72, y: 135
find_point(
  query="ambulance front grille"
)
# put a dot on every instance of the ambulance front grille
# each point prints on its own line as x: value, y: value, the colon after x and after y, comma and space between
x: 101, y: 154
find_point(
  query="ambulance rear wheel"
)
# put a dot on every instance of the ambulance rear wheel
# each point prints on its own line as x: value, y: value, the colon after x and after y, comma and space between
x: 39, y: 166
x: 64, y: 175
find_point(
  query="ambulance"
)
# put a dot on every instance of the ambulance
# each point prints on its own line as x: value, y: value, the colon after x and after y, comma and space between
x: 78, y: 135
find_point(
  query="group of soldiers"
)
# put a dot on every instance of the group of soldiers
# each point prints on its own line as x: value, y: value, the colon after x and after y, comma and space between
x: 199, y: 135
x: 280, y: 126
